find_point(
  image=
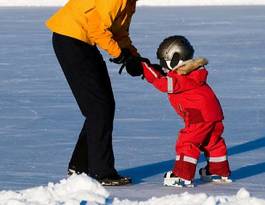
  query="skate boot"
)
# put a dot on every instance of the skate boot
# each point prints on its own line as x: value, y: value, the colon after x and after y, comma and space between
x: 207, y: 177
x: 71, y: 172
x: 115, y: 180
x: 171, y: 180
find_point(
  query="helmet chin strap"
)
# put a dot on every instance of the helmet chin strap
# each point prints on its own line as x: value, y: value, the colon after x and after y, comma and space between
x: 171, y: 68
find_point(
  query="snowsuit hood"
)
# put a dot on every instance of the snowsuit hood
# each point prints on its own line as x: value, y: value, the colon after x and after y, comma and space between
x: 190, y: 65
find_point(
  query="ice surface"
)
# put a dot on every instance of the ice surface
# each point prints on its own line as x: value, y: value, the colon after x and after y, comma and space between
x: 40, y: 121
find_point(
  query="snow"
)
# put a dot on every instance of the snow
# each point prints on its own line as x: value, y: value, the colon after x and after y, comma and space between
x: 69, y: 192
x: 40, y: 121
x: 83, y: 190
x: 140, y: 2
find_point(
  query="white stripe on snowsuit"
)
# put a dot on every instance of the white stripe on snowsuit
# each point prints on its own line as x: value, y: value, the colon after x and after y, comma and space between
x: 187, y: 159
x: 217, y: 159
x: 150, y: 69
x: 169, y: 84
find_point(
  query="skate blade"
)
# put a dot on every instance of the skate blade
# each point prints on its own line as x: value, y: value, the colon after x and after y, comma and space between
x: 175, y: 182
x: 116, y: 183
x: 222, y: 180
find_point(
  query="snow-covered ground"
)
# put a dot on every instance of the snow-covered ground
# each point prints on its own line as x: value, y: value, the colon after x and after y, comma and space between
x: 40, y: 121
x: 83, y: 190
x: 140, y: 2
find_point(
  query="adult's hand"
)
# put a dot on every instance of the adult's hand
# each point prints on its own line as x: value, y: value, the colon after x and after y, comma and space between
x: 131, y: 63
x: 122, y: 58
x: 134, y: 67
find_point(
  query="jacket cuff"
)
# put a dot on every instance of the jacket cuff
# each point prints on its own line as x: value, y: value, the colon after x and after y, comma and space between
x: 150, y: 73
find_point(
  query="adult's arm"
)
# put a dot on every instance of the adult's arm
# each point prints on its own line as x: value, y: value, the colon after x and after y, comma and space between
x: 99, y: 22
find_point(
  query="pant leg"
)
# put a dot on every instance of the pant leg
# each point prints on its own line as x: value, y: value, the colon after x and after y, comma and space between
x: 87, y: 76
x: 79, y: 159
x: 188, y: 148
x: 216, y: 152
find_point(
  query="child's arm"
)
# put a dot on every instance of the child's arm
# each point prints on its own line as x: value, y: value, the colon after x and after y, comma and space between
x: 154, y: 77
x: 172, y: 83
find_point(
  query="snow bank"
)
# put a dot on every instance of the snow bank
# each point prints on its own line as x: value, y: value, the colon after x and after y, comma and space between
x: 83, y: 190
x: 69, y: 191
x: 140, y: 2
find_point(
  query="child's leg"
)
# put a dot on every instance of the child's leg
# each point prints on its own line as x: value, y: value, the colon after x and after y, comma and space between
x: 216, y: 152
x: 188, y: 149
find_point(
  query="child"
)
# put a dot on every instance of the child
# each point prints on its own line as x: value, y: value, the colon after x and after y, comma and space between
x: 184, y: 79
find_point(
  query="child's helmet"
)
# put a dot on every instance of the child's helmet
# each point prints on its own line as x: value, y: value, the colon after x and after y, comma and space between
x: 174, y: 50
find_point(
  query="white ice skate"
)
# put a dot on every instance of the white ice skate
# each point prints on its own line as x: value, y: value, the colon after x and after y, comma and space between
x: 213, y: 178
x: 171, y: 180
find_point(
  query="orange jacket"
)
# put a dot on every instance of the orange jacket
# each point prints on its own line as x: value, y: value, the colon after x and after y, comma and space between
x: 97, y: 22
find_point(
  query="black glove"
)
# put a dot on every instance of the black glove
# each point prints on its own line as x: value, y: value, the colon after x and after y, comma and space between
x: 122, y: 58
x: 134, y: 65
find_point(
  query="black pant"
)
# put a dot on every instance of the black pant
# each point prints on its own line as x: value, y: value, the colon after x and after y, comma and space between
x: 88, y: 78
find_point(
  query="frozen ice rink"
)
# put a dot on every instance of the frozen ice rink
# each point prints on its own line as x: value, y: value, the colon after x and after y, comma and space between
x: 40, y: 121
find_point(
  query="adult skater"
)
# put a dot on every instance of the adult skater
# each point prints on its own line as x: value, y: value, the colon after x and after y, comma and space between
x: 79, y: 28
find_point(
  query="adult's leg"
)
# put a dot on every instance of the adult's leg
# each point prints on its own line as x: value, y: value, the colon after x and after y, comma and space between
x: 79, y: 159
x: 87, y: 75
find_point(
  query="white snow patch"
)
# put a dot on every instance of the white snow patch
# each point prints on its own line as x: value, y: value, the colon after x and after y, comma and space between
x: 198, y: 199
x: 81, y: 188
x: 69, y: 191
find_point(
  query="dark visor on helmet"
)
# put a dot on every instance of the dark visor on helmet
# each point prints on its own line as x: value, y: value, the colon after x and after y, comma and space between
x: 173, y: 63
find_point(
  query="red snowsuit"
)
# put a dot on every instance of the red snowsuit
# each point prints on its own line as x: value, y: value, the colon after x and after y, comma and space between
x: 194, y: 100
